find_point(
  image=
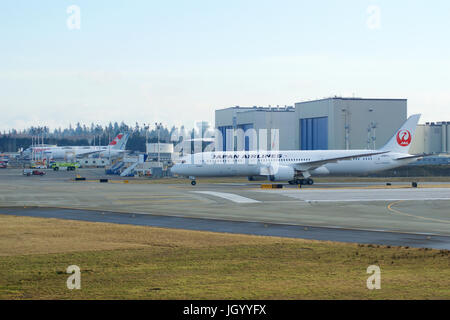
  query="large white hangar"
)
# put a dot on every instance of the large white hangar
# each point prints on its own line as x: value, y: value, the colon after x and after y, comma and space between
x: 331, y: 123
x: 347, y: 123
x: 232, y: 122
x: 432, y: 138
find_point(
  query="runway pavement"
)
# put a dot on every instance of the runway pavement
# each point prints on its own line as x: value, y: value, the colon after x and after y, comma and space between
x: 341, y: 212
x: 239, y: 227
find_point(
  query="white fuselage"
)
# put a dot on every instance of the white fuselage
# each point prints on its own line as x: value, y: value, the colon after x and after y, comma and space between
x: 74, y: 151
x: 252, y: 163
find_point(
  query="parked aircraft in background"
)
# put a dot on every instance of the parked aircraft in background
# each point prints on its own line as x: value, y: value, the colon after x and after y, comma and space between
x: 297, y: 166
x: 115, y: 148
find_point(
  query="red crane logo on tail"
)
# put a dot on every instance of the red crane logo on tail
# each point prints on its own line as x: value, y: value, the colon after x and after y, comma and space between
x: 404, y: 138
x: 116, y: 139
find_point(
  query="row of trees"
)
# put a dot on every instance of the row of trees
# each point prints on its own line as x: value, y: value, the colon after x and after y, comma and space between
x: 83, y: 135
x: 80, y: 130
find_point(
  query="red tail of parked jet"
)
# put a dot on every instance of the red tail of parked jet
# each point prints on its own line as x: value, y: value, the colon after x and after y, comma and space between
x: 119, y: 141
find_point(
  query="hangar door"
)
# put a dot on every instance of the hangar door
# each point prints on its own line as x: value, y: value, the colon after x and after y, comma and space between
x: 229, y: 140
x: 247, y: 137
x: 314, y: 133
x: 226, y: 143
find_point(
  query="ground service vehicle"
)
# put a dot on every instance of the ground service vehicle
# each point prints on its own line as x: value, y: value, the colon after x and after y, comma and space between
x: 39, y: 166
x: 69, y: 166
x: 31, y: 172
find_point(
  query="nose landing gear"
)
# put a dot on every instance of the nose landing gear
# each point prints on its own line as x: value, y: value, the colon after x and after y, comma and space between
x: 193, y: 182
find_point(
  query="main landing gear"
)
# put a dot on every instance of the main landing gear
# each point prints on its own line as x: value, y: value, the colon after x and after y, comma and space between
x: 193, y: 182
x: 307, y: 181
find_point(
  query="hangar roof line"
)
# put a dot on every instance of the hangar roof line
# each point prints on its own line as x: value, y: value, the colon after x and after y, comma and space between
x: 259, y: 108
x: 353, y: 98
x: 292, y: 108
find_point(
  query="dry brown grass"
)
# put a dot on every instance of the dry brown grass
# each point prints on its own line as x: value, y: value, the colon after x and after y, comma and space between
x: 26, y: 235
x: 132, y: 262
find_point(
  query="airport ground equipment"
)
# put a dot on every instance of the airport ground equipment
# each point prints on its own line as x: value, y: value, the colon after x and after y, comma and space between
x: 271, y: 186
x: 32, y: 172
x: 128, y: 171
x: 69, y: 166
x: 38, y: 165
x: 132, y: 163
x: 115, y: 169
x: 79, y: 178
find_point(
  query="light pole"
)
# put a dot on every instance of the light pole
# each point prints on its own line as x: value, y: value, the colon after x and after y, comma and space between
x: 374, y: 136
x: 369, y: 129
x: 146, y: 127
x: 32, y: 146
x: 346, y: 127
x: 372, y: 127
x: 41, y: 136
x: 158, y: 126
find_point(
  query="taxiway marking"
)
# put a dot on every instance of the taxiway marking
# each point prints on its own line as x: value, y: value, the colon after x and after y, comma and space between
x: 411, y: 215
x: 229, y: 196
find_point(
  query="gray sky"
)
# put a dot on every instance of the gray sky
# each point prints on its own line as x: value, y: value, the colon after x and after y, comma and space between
x: 177, y: 61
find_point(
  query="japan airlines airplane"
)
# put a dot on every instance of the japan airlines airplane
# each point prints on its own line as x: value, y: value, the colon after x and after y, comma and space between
x: 297, y: 166
x: 115, y: 148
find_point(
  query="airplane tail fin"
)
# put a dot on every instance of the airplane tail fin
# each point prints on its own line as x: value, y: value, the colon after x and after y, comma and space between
x: 401, y: 141
x: 120, y: 141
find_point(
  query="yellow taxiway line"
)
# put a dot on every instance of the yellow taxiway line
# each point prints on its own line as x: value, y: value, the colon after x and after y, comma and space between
x: 411, y: 215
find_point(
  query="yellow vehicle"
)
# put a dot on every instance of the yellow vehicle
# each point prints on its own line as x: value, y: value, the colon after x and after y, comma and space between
x: 38, y: 165
x: 69, y: 166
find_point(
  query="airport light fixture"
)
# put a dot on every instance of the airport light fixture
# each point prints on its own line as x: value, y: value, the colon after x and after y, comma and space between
x: 372, y: 129
x: 369, y: 130
x: 374, y: 135
x: 158, y: 126
x: 146, y: 127
x: 346, y: 127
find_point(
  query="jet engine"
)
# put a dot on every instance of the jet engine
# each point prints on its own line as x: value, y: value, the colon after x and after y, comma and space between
x: 320, y: 171
x: 282, y: 173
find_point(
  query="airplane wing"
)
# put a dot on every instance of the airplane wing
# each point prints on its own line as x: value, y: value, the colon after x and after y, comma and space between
x: 115, y: 151
x: 414, y: 156
x: 85, y: 154
x: 311, y: 165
